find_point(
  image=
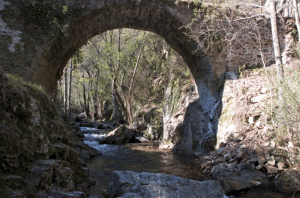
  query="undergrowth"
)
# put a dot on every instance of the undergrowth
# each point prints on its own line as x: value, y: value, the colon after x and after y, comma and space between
x: 19, y: 82
x: 285, y: 112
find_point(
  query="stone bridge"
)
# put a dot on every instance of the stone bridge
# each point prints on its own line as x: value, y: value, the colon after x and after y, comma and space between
x: 28, y: 49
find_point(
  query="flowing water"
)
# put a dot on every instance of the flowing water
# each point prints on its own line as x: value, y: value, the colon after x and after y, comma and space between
x: 145, y: 157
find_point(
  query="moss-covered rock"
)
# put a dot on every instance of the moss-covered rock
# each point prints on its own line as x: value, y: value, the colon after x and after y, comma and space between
x: 289, y: 181
x: 32, y: 131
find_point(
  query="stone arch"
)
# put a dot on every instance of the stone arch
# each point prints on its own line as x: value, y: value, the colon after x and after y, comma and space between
x: 161, y: 17
x: 154, y: 16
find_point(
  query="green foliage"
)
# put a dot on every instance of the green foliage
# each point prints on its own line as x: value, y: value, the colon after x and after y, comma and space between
x: 113, y: 56
x: 77, y: 58
x: 20, y: 82
x: 296, y: 51
x: 245, y: 71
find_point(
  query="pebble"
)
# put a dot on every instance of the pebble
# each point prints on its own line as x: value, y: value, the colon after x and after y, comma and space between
x: 290, y: 145
x: 227, y: 157
x: 251, y: 120
x: 273, y: 144
x: 231, y: 165
x: 259, y: 167
x: 267, y: 154
x: 272, y: 170
x: 264, y: 90
x: 206, y: 170
x: 271, y: 161
x: 221, y: 160
x: 240, y: 138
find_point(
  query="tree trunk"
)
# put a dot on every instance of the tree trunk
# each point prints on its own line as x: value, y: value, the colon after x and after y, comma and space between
x: 296, y: 14
x: 277, y: 53
x: 97, y: 107
x: 79, y: 99
x: 88, y: 102
x: 260, y: 3
x: 84, y: 98
x: 97, y: 104
x: 125, y: 106
x: 276, y: 43
x: 115, y: 103
x: 134, y: 72
x: 66, y: 93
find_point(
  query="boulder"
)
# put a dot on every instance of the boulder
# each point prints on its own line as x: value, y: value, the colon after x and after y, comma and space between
x: 17, y: 194
x: 175, y: 109
x: 173, y: 129
x: 81, y: 117
x: 166, y: 146
x: 132, y: 184
x: 35, y: 112
x: 272, y: 170
x: 103, y: 126
x: 13, y: 181
x: 41, y: 173
x: 66, y: 153
x: 85, y: 151
x: 141, y: 139
x: 91, y: 180
x: 289, y: 181
x: 199, y: 132
x: 118, y: 136
x: 240, y: 177
x: 46, y: 172
x: 62, y: 193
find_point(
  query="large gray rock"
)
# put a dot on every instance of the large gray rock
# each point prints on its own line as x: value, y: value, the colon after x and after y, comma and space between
x: 59, y: 193
x: 240, y: 177
x: 13, y: 181
x: 17, y: 194
x: 149, y: 185
x: 172, y: 115
x: 118, y: 136
x: 43, y: 173
x: 199, y: 129
x: 81, y: 117
x: 289, y: 181
x: 85, y: 151
x: 35, y: 112
x: 103, y: 126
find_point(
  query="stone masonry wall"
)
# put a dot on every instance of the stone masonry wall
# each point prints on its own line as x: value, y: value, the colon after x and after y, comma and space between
x: 22, y: 46
x: 234, y: 45
x: 249, y: 43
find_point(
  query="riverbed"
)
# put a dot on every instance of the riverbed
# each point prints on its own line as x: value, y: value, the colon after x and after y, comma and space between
x: 146, y: 157
x: 139, y: 157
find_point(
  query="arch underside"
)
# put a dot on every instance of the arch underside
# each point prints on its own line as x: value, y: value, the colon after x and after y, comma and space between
x: 201, y: 119
x: 52, y: 60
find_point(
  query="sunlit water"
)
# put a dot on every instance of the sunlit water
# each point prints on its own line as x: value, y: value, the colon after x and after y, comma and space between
x: 138, y: 157
x: 145, y: 157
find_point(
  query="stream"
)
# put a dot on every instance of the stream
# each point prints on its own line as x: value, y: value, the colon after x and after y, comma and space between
x: 145, y: 157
